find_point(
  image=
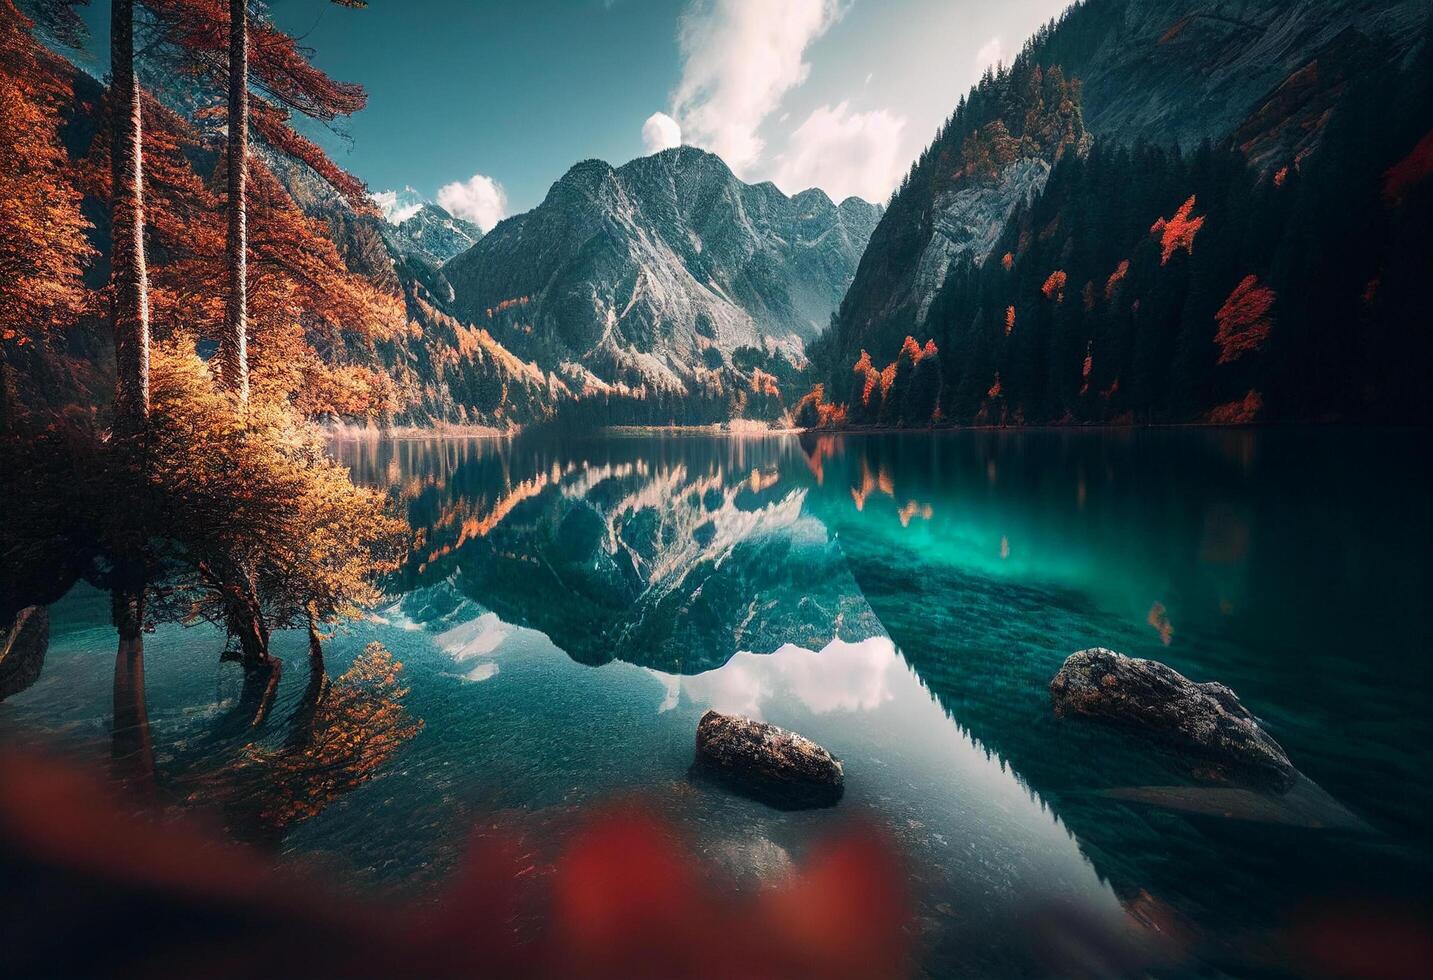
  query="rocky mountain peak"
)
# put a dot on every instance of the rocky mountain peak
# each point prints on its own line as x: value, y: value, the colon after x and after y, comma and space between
x: 654, y: 273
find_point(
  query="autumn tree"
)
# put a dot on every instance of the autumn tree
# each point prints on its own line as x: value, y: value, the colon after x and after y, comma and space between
x: 894, y: 389
x: 1244, y: 323
x: 42, y: 232
x: 216, y: 42
x: 922, y: 398
x: 865, y: 384
x: 261, y: 529
x: 1177, y: 232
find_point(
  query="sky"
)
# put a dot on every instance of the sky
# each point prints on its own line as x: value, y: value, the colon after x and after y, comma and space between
x: 482, y: 104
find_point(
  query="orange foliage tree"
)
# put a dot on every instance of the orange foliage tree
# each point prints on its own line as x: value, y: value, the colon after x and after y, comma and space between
x: 42, y: 233
x: 1054, y: 287
x: 814, y: 411
x: 1244, y: 323
x: 1177, y: 232
x: 217, y: 43
x: 1116, y: 277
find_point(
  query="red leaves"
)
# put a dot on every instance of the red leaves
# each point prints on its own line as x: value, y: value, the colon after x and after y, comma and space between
x: 1116, y: 277
x: 1177, y: 232
x: 271, y: 124
x: 42, y: 232
x: 764, y: 384
x: 888, y: 378
x: 628, y: 898
x: 621, y: 895
x: 871, y: 376
x: 1054, y: 287
x: 1007, y: 261
x: 1238, y: 413
x: 1244, y: 323
x: 277, y: 65
x: 814, y: 411
x: 1009, y: 320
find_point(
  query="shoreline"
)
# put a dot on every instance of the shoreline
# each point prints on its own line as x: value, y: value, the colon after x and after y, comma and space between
x: 350, y: 433
x: 398, y: 433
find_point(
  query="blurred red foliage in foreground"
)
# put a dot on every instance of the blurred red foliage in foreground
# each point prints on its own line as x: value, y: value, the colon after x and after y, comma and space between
x: 92, y: 888
x: 88, y: 887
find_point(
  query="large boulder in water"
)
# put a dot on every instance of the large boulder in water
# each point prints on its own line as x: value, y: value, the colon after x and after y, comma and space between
x: 22, y: 650
x: 777, y: 767
x: 1203, y: 720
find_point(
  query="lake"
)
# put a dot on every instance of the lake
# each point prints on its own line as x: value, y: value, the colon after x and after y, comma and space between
x: 571, y: 607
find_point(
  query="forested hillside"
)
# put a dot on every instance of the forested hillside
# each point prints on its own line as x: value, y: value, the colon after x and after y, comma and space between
x: 1268, y: 271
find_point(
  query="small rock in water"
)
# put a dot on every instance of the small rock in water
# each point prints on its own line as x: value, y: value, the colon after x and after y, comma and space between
x: 22, y: 650
x: 1205, y: 720
x: 770, y: 764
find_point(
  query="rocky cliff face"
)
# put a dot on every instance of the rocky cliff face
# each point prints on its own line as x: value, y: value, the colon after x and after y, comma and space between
x: 647, y: 275
x: 967, y: 220
x: 1176, y: 71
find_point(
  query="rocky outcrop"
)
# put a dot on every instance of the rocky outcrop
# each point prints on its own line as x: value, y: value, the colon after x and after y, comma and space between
x: 1203, y: 720
x: 967, y: 220
x: 777, y: 767
x: 22, y: 650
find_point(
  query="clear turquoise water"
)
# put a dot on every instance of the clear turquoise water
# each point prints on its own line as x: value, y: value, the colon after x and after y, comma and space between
x: 573, y: 607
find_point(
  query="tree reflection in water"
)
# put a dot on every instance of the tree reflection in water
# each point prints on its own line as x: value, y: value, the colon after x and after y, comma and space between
x: 339, y: 736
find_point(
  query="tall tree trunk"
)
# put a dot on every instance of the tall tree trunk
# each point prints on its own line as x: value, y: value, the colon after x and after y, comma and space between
x: 130, y: 309
x: 132, y: 747
x: 5, y: 412
x: 301, y: 721
x: 315, y: 644
x: 234, y: 343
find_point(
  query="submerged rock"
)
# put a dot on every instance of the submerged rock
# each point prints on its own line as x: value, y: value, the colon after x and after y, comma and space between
x: 22, y: 650
x: 1204, y: 720
x: 777, y: 767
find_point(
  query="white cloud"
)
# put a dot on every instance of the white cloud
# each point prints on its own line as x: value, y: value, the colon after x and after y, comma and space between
x: 844, y: 153
x: 991, y: 53
x: 740, y: 58
x: 398, y: 206
x: 479, y: 199
x: 660, y: 132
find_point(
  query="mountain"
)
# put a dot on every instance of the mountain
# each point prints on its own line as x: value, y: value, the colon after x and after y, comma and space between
x: 432, y: 234
x: 1234, y: 108
x: 654, y: 275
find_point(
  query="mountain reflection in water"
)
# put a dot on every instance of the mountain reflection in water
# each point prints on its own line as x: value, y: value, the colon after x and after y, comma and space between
x: 675, y: 562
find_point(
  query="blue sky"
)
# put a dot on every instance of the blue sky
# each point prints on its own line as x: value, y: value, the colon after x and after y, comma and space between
x: 484, y: 104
